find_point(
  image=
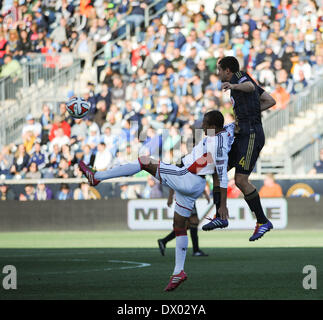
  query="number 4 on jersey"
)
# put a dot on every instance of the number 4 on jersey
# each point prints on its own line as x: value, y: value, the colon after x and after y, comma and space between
x: 242, y: 162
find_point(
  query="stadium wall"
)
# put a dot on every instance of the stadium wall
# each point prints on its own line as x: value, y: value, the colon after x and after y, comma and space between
x: 113, y: 214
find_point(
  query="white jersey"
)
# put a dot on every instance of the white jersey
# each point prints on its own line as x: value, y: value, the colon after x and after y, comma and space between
x: 211, y: 155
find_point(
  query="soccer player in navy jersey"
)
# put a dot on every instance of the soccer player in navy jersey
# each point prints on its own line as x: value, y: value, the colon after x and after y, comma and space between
x: 248, y: 100
x: 187, y: 180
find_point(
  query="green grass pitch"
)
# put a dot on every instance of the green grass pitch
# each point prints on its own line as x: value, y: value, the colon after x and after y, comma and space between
x: 121, y: 265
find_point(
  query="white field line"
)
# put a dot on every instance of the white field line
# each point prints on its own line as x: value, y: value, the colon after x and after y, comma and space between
x: 133, y: 264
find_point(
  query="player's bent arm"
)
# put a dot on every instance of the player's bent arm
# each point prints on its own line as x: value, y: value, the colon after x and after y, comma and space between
x: 266, y: 101
x: 216, y: 190
x: 170, y: 197
x: 223, y: 183
x: 223, y: 210
x: 207, y: 193
x: 246, y: 86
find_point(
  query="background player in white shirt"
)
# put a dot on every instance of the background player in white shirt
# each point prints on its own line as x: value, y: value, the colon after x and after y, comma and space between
x: 188, y: 181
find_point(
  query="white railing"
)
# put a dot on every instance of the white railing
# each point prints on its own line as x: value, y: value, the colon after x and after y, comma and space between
x: 13, y: 115
x: 299, y: 104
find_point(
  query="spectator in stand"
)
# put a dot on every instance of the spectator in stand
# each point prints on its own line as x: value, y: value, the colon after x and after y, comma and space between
x: 6, y: 162
x: 60, y: 139
x: 318, y: 165
x: 128, y: 192
x: 65, y: 171
x: 64, y: 193
x: 68, y: 154
x: 93, y: 138
x: 6, y: 193
x: 103, y: 158
x: 101, y: 113
x: 54, y: 157
x: 220, y: 37
x: 88, y: 156
x: 33, y: 172
x: 3, y: 44
x: 28, y: 141
x: 281, y: 96
x: 84, y: 49
x: 24, y: 47
x: 12, y: 70
x: 84, y: 192
x: 136, y: 14
x: 78, y: 132
x: 46, y: 121
x: 31, y: 126
x: 63, y: 113
x: 270, y: 189
x: 59, y: 122
x: 37, y: 156
x: 43, y: 192
x: 28, y: 194
x: 105, y: 95
x: 300, y: 84
x: 171, y: 17
x: 20, y: 162
x: 153, y: 189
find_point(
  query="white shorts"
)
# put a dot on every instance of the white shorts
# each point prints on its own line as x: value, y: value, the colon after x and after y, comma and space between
x: 187, y: 186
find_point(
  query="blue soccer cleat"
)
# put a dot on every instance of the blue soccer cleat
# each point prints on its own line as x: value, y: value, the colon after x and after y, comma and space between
x: 215, y: 224
x: 260, y: 230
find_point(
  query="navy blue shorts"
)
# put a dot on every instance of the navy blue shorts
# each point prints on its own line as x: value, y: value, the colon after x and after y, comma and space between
x: 245, y: 149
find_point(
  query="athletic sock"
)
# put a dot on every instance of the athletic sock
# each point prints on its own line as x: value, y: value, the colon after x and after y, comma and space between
x: 124, y: 170
x: 180, y: 251
x: 253, y: 201
x: 195, y: 240
x: 169, y: 237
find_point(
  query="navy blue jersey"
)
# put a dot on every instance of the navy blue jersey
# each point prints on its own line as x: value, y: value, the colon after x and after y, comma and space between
x: 246, y: 105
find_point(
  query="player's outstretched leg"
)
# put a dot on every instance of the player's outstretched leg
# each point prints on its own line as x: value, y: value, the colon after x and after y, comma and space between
x: 89, y: 173
x: 179, y: 275
x: 129, y: 169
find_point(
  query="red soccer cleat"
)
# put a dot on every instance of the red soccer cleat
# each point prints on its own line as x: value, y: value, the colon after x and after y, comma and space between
x: 176, y: 280
x: 88, y: 173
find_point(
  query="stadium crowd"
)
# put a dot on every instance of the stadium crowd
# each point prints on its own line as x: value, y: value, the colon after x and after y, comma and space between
x: 156, y: 85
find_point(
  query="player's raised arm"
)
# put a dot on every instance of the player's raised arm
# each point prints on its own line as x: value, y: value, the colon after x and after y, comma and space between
x: 266, y: 101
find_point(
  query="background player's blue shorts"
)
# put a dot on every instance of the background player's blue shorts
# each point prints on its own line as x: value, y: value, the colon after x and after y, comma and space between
x: 187, y: 186
x: 246, y: 148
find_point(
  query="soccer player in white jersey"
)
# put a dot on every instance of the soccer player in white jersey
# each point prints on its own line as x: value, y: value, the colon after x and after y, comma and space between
x: 188, y: 180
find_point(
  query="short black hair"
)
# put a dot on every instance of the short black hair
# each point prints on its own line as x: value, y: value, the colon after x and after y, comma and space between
x: 215, y: 118
x: 230, y: 62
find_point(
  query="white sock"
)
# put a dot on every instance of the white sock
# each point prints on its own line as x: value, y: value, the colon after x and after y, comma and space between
x: 124, y: 170
x: 180, y: 253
